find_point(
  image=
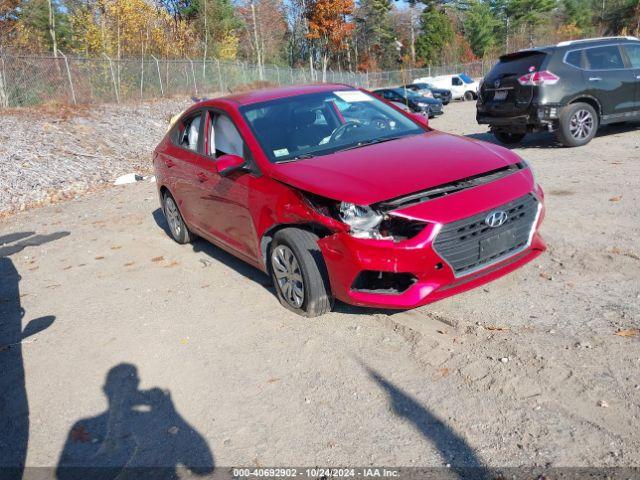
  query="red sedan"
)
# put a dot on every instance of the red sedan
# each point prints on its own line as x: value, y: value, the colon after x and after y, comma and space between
x: 339, y: 195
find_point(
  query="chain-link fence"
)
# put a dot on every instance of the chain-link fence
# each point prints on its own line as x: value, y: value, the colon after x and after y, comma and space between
x: 33, y: 80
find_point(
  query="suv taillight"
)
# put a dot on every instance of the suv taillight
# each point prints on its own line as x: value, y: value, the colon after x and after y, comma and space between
x: 543, y: 77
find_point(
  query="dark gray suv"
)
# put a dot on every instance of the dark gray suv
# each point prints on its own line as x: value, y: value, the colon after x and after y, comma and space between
x: 570, y: 88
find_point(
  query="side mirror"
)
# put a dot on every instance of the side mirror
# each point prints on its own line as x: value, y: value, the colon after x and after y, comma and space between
x: 227, y: 164
x: 421, y: 119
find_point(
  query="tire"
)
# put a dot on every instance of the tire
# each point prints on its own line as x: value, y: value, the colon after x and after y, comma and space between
x: 468, y: 96
x: 508, y: 138
x: 578, y: 125
x: 177, y: 228
x: 308, y: 293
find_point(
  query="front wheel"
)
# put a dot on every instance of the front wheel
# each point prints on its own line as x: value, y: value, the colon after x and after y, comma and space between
x: 468, y: 96
x: 578, y: 125
x: 299, y: 273
x: 508, y: 138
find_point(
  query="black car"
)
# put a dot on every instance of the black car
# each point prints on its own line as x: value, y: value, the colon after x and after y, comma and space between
x: 441, y: 94
x: 570, y: 88
x: 429, y: 107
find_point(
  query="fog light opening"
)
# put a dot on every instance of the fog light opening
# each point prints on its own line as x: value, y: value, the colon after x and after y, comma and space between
x: 390, y: 283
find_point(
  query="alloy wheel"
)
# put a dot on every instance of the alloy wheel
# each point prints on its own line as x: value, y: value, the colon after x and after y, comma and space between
x: 288, y: 275
x: 581, y: 124
x: 173, y: 217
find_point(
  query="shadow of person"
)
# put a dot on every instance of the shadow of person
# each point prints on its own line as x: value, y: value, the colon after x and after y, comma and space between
x: 141, y: 435
x: 453, y: 448
x: 26, y: 239
x: 14, y: 406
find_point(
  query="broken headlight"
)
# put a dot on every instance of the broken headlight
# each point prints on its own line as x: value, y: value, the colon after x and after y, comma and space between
x: 362, y: 220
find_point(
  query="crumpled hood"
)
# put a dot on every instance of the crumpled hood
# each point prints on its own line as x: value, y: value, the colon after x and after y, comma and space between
x: 391, y: 169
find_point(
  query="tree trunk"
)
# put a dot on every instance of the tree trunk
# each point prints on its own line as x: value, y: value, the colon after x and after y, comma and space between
x: 52, y: 28
x: 256, y: 39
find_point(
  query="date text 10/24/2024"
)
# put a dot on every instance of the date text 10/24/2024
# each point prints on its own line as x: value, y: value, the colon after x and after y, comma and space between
x: 369, y: 472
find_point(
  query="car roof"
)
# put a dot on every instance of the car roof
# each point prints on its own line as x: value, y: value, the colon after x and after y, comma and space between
x: 573, y: 44
x: 257, y: 96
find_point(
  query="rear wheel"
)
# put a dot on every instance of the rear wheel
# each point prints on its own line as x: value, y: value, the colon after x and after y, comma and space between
x: 299, y: 273
x: 509, y: 138
x: 578, y: 125
x: 468, y: 96
x: 178, y: 229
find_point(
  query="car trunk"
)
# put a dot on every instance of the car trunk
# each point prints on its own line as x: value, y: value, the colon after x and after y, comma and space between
x: 501, y: 92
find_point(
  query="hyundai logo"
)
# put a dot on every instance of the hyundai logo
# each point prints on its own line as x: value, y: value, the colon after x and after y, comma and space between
x: 496, y: 219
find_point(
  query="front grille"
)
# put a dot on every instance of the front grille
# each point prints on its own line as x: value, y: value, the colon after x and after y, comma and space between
x: 470, y: 244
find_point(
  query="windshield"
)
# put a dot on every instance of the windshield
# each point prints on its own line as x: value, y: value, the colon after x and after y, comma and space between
x: 316, y: 124
x: 465, y: 78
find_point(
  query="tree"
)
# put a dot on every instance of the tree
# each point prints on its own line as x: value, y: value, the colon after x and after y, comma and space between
x: 42, y: 25
x: 527, y: 15
x: 436, y: 33
x: 264, y: 36
x: 328, y: 27
x: 579, y: 13
x: 480, y: 28
x: 623, y: 18
x: 375, y: 34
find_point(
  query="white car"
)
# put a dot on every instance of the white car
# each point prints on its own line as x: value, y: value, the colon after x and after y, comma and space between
x: 461, y: 85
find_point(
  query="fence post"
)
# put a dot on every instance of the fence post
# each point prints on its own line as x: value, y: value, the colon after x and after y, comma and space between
x: 220, y: 76
x: 159, y: 77
x: 66, y: 62
x: 113, y: 77
x: 141, y: 77
x: 4, y: 94
x: 193, y: 73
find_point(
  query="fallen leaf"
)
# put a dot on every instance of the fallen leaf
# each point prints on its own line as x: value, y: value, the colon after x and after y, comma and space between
x: 172, y: 264
x: 442, y: 332
x: 629, y: 332
x: 67, y: 267
x: 273, y: 380
x: 116, y: 247
x: 617, y: 198
x: 99, y: 257
x: 128, y: 264
x: 157, y: 259
x: 443, y: 372
x: 496, y: 328
x: 546, y: 276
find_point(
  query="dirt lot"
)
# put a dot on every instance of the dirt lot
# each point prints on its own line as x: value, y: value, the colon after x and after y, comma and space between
x: 541, y: 368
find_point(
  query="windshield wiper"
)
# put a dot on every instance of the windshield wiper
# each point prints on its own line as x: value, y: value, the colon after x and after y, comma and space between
x: 302, y: 156
x: 365, y: 143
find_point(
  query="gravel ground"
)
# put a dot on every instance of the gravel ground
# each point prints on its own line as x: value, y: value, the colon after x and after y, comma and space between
x: 52, y: 154
x: 540, y: 368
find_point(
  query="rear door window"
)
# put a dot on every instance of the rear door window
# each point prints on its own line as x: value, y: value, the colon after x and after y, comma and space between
x: 604, y: 58
x: 633, y: 51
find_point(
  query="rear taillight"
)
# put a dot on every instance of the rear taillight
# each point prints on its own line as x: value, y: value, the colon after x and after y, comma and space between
x: 543, y: 77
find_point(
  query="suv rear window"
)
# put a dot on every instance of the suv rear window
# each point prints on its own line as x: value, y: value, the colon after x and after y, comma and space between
x: 604, y: 58
x: 518, y: 63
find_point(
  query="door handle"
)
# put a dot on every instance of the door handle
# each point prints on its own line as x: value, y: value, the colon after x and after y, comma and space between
x: 595, y: 79
x: 202, y: 176
x: 169, y: 163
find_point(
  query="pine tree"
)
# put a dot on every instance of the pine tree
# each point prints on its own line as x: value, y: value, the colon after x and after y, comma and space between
x: 480, y: 27
x: 436, y: 33
x: 374, y: 30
